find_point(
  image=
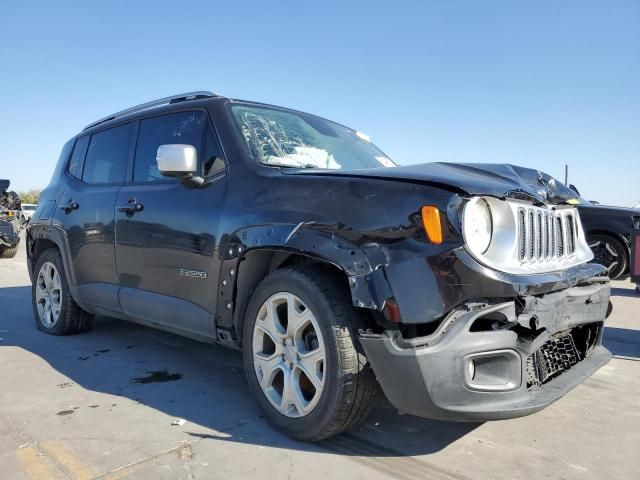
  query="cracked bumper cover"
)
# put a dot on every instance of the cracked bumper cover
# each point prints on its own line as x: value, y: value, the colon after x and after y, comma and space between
x: 428, y: 376
x: 9, y: 235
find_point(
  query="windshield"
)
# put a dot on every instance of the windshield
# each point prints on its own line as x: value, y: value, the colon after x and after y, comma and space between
x: 29, y: 207
x: 286, y: 138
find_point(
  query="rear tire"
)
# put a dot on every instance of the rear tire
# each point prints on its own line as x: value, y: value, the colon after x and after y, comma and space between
x: 610, y: 252
x: 8, y: 252
x: 340, y: 388
x: 54, y: 309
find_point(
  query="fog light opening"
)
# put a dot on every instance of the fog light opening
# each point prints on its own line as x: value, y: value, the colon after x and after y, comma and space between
x: 498, y: 370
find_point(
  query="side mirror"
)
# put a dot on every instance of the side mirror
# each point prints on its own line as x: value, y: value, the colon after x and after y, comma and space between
x: 177, y: 160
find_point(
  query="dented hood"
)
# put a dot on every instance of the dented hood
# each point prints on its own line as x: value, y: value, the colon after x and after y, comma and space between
x: 498, y: 180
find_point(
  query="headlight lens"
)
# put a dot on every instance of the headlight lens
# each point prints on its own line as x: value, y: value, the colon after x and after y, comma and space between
x: 477, y: 225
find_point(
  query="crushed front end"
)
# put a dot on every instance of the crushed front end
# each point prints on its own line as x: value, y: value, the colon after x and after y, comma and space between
x: 518, y: 317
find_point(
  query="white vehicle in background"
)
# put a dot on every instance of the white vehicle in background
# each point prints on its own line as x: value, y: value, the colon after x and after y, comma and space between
x: 28, y: 210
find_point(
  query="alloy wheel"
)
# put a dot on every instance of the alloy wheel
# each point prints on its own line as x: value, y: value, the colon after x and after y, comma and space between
x: 48, y: 293
x: 289, y: 355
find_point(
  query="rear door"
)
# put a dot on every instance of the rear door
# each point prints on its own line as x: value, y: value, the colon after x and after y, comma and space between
x: 167, y: 248
x: 96, y: 171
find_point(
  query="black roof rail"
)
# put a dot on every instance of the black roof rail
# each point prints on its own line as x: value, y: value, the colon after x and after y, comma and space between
x: 155, y: 103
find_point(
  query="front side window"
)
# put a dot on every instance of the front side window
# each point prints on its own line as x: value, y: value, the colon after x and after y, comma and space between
x: 213, y: 163
x: 182, y: 128
x: 293, y: 139
x: 107, y: 155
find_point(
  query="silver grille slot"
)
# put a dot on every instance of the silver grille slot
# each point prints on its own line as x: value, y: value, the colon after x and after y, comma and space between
x: 571, y: 241
x: 531, y: 238
x: 545, y: 235
x: 539, y: 236
x: 522, y: 234
x: 560, y: 236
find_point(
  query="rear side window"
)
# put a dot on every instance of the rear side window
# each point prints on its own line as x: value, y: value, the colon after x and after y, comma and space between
x: 107, y: 155
x: 183, y: 128
x: 77, y: 157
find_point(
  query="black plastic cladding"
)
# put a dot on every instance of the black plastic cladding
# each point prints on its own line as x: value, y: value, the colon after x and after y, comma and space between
x: 366, y: 223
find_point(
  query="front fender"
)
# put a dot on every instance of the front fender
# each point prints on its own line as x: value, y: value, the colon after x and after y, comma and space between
x: 362, y: 264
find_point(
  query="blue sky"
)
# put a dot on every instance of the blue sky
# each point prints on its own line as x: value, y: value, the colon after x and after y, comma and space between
x: 531, y: 83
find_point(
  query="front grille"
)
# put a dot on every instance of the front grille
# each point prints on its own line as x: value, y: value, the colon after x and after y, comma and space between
x: 545, y: 235
x: 561, y: 352
x: 554, y: 357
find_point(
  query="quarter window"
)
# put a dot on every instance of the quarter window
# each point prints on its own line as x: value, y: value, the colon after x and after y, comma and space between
x: 77, y: 157
x: 177, y: 128
x: 107, y: 155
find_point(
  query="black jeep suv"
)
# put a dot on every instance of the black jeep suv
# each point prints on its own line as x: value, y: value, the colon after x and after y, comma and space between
x: 462, y: 291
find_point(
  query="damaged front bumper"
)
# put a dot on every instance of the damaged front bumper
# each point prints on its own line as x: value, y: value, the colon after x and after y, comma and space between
x: 9, y: 234
x: 496, y: 361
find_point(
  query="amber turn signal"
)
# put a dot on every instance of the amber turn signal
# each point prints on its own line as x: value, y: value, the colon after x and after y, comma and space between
x: 432, y: 224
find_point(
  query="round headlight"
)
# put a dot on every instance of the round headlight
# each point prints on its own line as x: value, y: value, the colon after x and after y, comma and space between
x: 477, y: 225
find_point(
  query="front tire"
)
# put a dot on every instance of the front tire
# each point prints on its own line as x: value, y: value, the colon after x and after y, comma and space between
x: 55, y: 310
x: 301, y: 357
x: 609, y: 252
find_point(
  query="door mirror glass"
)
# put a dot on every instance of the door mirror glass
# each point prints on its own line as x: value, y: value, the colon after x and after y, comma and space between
x: 177, y: 160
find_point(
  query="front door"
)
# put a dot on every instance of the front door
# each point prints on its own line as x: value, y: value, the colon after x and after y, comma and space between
x: 166, y: 232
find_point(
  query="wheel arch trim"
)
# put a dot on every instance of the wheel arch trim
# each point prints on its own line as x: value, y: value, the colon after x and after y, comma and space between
x: 57, y: 236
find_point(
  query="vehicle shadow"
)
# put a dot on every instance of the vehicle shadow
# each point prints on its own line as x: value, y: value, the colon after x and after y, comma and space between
x: 201, y: 383
x: 622, y: 342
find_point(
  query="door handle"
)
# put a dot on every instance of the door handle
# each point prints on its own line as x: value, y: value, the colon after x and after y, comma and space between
x: 72, y: 205
x: 131, y: 207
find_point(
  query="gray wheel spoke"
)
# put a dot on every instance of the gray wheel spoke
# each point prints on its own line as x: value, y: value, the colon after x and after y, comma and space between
x: 46, y: 277
x: 294, y: 316
x: 270, y: 323
x: 275, y: 337
x: 291, y: 396
x: 56, y: 285
x: 40, y: 291
x: 312, y: 364
x: 266, y: 368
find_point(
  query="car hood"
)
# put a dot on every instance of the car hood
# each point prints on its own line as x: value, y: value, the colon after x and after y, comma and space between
x: 497, y: 180
x: 609, y: 210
